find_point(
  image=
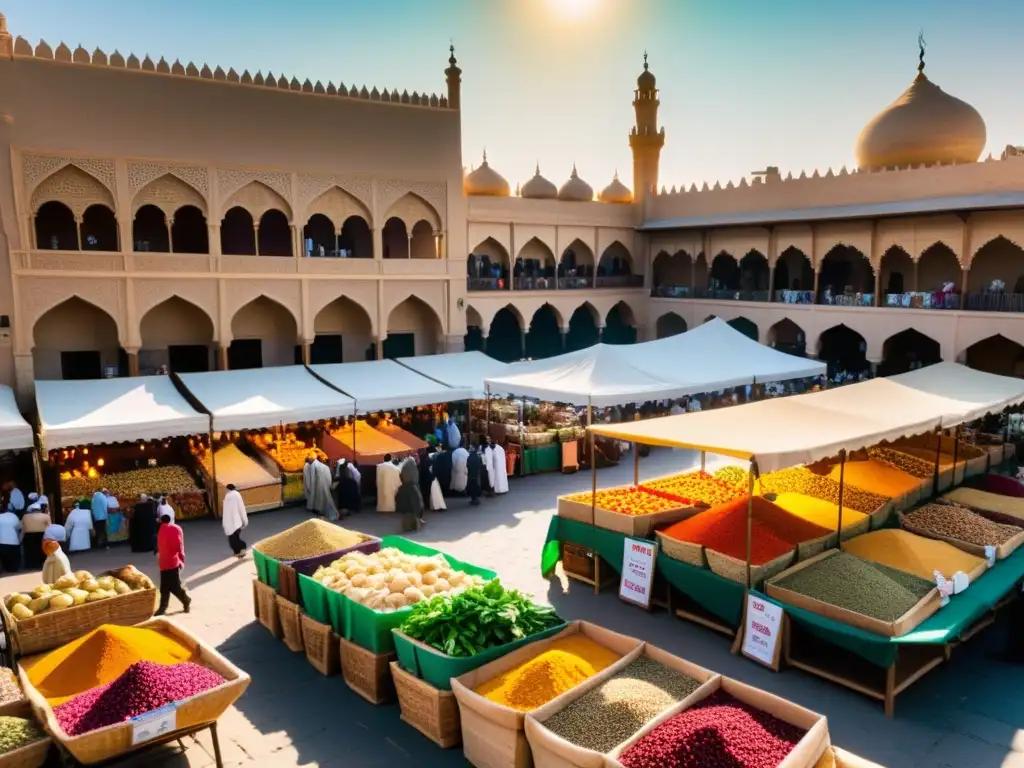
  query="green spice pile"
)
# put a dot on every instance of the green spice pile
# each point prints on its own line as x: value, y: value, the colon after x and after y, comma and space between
x: 605, y: 717
x: 478, y: 619
x: 17, y: 732
x: 858, y: 585
x: 9, y: 688
x: 960, y: 523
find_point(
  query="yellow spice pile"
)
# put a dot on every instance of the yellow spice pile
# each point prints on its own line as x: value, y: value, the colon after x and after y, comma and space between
x: 911, y: 553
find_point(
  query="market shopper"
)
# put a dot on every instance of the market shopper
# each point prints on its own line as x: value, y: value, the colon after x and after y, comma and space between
x: 170, y: 550
x: 56, y: 563
x: 408, y: 501
x: 99, y: 516
x: 16, y: 498
x: 142, y: 525
x: 318, y: 497
x: 58, y: 533
x: 389, y: 478
x: 426, y: 476
x: 234, y: 518
x: 474, y: 470
x: 485, y: 475
x: 307, y: 483
x: 33, y: 526
x: 10, y: 541
x: 499, y: 467
x: 442, y: 466
x: 459, y: 473
x: 453, y: 434
x: 79, y: 528
x: 349, y: 496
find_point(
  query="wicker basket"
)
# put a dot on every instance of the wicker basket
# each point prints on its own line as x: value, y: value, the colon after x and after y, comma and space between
x: 432, y: 712
x: 288, y: 614
x: 31, y: 755
x: 116, y: 740
x: 52, y: 630
x: 734, y: 569
x: 268, y: 616
x: 683, y: 551
x: 367, y: 673
x: 322, y: 646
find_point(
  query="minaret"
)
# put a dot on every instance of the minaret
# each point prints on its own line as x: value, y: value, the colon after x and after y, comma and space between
x: 6, y: 41
x: 645, y: 138
x: 454, y: 77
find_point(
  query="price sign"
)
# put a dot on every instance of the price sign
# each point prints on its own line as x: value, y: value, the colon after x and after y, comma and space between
x: 762, y: 628
x: 638, y: 572
x: 153, y: 725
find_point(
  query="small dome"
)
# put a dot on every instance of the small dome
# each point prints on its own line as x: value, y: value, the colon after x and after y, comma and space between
x: 924, y: 126
x: 539, y: 188
x: 485, y: 181
x: 576, y: 189
x: 616, y: 192
x: 646, y: 81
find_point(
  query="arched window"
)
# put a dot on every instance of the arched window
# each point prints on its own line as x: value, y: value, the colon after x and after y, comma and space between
x: 99, y: 229
x: 149, y: 230
x: 395, y: 239
x: 318, y: 238
x: 56, y: 228
x: 275, y: 236
x: 356, y: 241
x: 189, y: 233
x: 237, y: 234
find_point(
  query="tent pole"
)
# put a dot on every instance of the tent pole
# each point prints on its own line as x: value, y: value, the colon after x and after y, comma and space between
x: 938, y: 455
x: 636, y: 463
x: 215, y: 501
x: 750, y: 519
x: 487, y: 411
x: 703, y: 460
x: 956, y: 448
x: 593, y: 462
x: 842, y: 485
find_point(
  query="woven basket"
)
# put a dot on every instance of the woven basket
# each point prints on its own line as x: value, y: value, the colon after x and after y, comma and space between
x: 288, y: 614
x: 52, y: 630
x: 734, y: 569
x: 268, y: 617
x: 116, y: 740
x: 432, y: 712
x: 31, y: 755
x: 684, y: 551
x: 322, y: 646
x: 367, y: 673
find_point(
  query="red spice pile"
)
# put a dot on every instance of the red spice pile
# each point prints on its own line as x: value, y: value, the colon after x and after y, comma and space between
x: 723, y: 528
x: 144, y: 687
x: 719, y: 731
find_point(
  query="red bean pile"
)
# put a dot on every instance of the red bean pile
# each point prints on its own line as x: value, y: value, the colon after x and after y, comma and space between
x: 719, y: 732
x: 143, y: 687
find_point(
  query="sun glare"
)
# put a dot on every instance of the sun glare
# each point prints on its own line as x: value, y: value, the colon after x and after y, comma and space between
x: 574, y: 9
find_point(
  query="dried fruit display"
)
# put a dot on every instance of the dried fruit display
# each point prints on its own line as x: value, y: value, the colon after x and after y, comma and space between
x: 309, y: 538
x: 697, y: 486
x: 287, y: 451
x: 904, y: 462
x: 733, y: 475
x: 128, y: 485
x: 635, y: 500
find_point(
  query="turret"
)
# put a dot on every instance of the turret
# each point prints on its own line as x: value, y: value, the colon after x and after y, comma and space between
x: 454, y: 77
x: 645, y: 138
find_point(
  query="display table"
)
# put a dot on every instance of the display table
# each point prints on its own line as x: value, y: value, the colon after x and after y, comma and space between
x: 543, y: 458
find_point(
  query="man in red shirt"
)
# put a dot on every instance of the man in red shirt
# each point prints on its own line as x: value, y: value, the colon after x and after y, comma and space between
x: 170, y: 548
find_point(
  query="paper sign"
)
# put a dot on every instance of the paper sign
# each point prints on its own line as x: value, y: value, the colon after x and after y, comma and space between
x: 990, y: 555
x: 960, y: 582
x: 945, y: 588
x: 638, y: 571
x: 762, y: 627
x: 155, y: 724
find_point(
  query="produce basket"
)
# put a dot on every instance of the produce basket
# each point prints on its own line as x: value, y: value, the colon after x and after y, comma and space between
x: 291, y: 625
x: 925, y: 607
x: 266, y: 566
x: 684, y: 551
x: 367, y: 673
x: 266, y: 602
x: 31, y: 755
x: 50, y: 630
x: 322, y: 646
x: 432, y: 712
x: 734, y: 569
x: 552, y: 751
x: 437, y: 668
x: 194, y: 712
x: 1003, y: 551
x: 807, y: 752
x: 493, y: 735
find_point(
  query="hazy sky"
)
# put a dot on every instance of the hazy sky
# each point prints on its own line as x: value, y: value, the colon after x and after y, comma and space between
x: 744, y: 83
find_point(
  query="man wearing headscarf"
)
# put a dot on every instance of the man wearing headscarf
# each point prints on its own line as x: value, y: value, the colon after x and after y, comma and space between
x: 408, y: 501
x: 349, y: 496
x: 233, y: 519
x: 307, y: 482
x: 142, y: 526
x: 499, y: 467
x: 99, y: 517
x: 79, y: 527
x: 474, y: 469
x: 459, y: 477
x: 389, y: 478
x: 16, y: 498
x: 453, y: 434
x: 442, y: 466
x: 322, y: 500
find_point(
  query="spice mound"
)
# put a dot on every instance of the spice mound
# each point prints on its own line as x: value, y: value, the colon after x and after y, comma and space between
x: 145, y: 686
x: 819, y: 512
x: 802, y: 480
x: 850, y: 582
x: 98, y: 658
x: 959, y: 523
x: 566, y: 663
x: 9, y: 688
x: 911, y: 553
x: 17, y: 732
x: 309, y: 539
x: 718, y: 731
x: 904, y: 462
x: 622, y: 705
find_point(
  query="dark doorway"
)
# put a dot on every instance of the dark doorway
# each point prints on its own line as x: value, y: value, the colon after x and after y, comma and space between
x: 76, y: 366
x: 399, y: 345
x: 326, y: 348
x: 474, y: 339
x: 188, y: 358
x: 245, y: 353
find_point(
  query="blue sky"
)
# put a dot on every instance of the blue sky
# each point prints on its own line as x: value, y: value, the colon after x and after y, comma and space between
x: 744, y: 83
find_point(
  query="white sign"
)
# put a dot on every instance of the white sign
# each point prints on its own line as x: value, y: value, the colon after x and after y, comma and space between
x: 155, y: 724
x: 638, y: 571
x: 990, y: 555
x: 761, y: 631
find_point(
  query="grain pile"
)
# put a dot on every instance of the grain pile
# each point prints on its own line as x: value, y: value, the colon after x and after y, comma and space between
x: 955, y: 522
x: 911, y: 553
x: 309, y: 539
x: 1008, y: 508
x: 801, y: 480
x: 904, y: 462
x: 876, y: 477
x: 819, y: 511
x: 867, y: 588
x: 17, y: 732
x: 622, y: 705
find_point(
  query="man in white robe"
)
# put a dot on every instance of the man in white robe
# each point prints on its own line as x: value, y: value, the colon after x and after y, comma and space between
x: 320, y: 498
x: 499, y: 468
x: 307, y: 482
x: 234, y: 518
x: 389, y: 478
x: 460, y: 470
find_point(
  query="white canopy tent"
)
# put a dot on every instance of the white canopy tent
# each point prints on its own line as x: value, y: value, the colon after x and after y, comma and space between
x: 977, y: 392
x: 265, y: 397
x: 384, y: 385
x: 462, y: 370
x: 15, y: 432
x: 113, y: 411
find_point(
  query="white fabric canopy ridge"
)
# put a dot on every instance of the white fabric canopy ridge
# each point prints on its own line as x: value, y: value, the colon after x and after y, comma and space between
x: 384, y: 385
x: 15, y: 432
x: 461, y: 370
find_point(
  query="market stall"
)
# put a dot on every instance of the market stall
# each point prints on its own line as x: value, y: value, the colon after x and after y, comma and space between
x: 124, y: 435
x: 18, y: 462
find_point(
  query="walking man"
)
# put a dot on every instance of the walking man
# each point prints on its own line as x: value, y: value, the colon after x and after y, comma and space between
x: 234, y: 519
x: 170, y: 550
x: 99, y: 517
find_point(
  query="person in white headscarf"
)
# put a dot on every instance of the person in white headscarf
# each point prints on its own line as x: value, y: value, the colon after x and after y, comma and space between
x: 164, y: 508
x: 307, y: 482
x: 499, y: 468
x: 233, y: 519
x: 460, y: 470
x: 389, y: 478
x: 320, y: 498
x: 453, y: 434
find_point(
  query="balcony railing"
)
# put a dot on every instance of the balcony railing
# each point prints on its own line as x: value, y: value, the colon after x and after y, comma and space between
x: 620, y: 281
x: 994, y: 301
x: 534, y: 283
x: 486, y: 284
x: 581, y: 283
x: 922, y: 300
x: 847, y: 299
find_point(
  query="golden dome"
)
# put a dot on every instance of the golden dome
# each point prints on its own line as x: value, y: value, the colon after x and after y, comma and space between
x: 485, y: 181
x: 576, y: 189
x: 616, y: 192
x: 924, y: 126
x: 539, y: 188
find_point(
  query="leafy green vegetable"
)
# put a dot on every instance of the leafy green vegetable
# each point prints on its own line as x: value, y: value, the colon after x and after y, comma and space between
x: 477, y: 620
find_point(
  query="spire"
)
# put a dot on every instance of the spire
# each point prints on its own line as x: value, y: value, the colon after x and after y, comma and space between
x: 574, y: 174
x: 453, y: 76
x: 645, y: 61
x: 536, y: 171
x: 485, y: 155
x: 921, y: 45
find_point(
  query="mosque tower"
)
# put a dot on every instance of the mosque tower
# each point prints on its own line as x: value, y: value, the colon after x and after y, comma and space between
x: 645, y: 138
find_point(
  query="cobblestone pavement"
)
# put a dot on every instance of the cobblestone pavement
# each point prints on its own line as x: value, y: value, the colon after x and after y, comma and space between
x: 966, y: 713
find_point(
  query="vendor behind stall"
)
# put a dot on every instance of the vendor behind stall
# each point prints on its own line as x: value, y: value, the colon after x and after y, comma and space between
x: 34, y: 525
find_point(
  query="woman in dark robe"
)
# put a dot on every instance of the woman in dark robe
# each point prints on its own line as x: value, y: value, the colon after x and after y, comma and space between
x: 442, y: 467
x: 426, y: 476
x: 142, y: 526
x: 408, y: 501
x: 349, y: 497
x: 475, y: 468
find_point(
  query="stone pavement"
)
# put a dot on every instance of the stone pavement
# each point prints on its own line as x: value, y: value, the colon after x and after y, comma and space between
x: 965, y: 714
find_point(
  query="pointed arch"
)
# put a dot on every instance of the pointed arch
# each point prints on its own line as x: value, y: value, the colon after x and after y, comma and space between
x: 274, y: 235
x: 264, y: 333
x: 411, y: 208
x: 576, y: 256
x: 338, y: 206
x: 169, y: 193
x: 842, y: 349
x: 937, y: 266
x: 787, y: 336
x: 724, y: 274
x: 73, y: 186
x: 670, y: 324
x: 342, y: 330
x: 55, y: 227
x: 746, y: 326
x: 413, y: 328
x: 544, y: 337
x: 257, y: 198
x: 793, y: 271
x: 356, y: 240
x: 505, y: 334
x: 845, y: 276
x: 495, y: 252
x: 238, y: 233
x: 176, y: 333
x: 615, y: 261
x: 1000, y: 259
x: 395, y: 239
x: 897, y: 271
x: 908, y: 350
x: 75, y: 339
x: 149, y: 230
x: 996, y: 354
x: 620, y: 325
x: 584, y: 325
x: 423, y: 241
x: 754, y: 271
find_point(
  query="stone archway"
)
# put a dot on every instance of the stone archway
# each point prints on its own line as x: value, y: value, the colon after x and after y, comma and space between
x: 845, y: 277
x: 177, y: 334
x: 937, y: 268
x: 342, y: 333
x: 1000, y: 260
x: 671, y: 271
x: 745, y: 326
x: 787, y: 336
x: 505, y: 335
x: 996, y: 354
x: 474, y: 340
x: 793, y: 271
x: 534, y: 266
x: 356, y: 240
x: 413, y: 328
x: 55, y: 227
x: 615, y: 262
x: 274, y: 234
x: 395, y: 239
x: 724, y: 274
x: 76, y: 340
x: 544, y: 338
x: 319, y: 237
x: 423, y: 244
x: 189, y: 232
x: 583, y: 328
x: 576, y: 266
x: 908, y: 350
x: 149, y: 230
x: 620, y: 325
x: 842, y: 349
x: 670, y: 324
x: 898, y: 272
x: 264, y: 334
x: 99, y: 229
x: 754, y: 273
x: 238, y: 233
x: 487, y: 266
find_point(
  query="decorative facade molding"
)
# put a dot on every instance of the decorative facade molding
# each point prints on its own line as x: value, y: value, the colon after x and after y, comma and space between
x: 311, y: 186
x: 435, y: 194
x: 36, y: 168
x: 141, y: 174
x: 231, y: 180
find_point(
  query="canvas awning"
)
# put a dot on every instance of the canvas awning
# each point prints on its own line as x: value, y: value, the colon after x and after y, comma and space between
x: 462, y: 370
x: 384, y: 385
x: 265, y: 397
x: 15, y: 432
x: 114, y: 411
x: 977, y: 392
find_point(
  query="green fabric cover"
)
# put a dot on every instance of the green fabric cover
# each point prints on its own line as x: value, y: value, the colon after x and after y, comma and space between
x: 438, y: 669
x: 266, y: 568
x: 544, y: 458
